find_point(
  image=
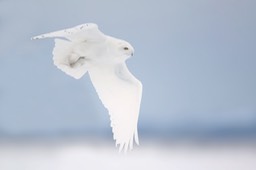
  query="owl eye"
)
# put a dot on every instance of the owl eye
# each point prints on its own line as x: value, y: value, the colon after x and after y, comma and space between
x: 126, y: 48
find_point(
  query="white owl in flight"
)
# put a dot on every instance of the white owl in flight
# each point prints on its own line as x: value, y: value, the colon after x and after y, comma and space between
x: 85, y: 48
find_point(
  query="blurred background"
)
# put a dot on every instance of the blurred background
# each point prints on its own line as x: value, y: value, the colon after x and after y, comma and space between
x: 196, y: 60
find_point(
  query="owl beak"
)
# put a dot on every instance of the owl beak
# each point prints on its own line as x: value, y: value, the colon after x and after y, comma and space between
x: 132, y: 54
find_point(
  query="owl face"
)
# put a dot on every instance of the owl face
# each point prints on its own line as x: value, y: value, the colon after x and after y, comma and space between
x: 125, y: 49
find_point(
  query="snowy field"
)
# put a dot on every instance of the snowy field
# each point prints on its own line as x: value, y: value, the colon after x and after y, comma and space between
x: 79, y: 154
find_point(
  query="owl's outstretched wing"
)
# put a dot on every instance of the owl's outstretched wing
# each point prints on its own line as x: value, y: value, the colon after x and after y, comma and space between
x: 80, y: 33
x: 120, y: 92
x: 66, y: 54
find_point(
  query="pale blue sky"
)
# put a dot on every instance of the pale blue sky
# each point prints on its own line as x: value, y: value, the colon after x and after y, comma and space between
x: 196, y: 59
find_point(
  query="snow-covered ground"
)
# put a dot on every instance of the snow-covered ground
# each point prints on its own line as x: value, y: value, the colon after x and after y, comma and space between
x: 81, y: 155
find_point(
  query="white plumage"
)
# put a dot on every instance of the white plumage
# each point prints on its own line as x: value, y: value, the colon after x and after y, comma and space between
x: 85, y: 49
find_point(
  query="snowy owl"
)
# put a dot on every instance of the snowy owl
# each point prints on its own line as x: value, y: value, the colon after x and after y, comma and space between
x: 84, y: 48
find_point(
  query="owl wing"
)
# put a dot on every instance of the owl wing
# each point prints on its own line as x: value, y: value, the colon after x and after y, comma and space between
x: 120, y: 92
x: 66, y: 56
x: 80, y: 33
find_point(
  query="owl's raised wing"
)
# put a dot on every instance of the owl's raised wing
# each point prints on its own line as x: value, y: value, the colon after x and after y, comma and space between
x: 66, y: 56
x: 120, y: 92
x: 80, y: 33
